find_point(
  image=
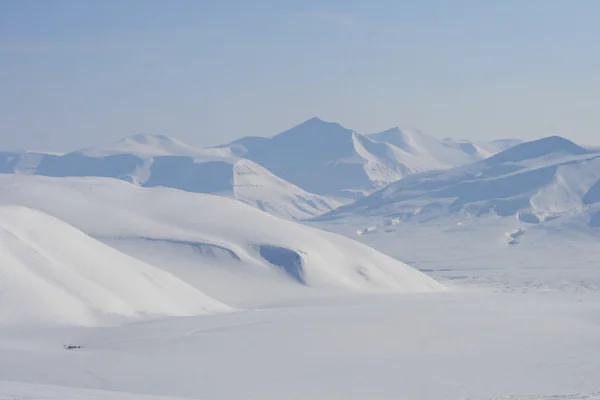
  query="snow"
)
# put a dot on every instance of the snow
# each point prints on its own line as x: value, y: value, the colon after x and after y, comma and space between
x: 448, y: 152
x: 513, y: 238
x: 545, y: 178
x: 158, y: 160
x: 218, y: 245
x: 52, y: 273
x: 327, y: 159
x: 446, y: 345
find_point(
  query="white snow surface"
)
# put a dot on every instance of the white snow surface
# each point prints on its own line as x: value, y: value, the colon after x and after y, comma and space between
x: 226, y: 248
x: 50, y: 272
x: 514, y: 237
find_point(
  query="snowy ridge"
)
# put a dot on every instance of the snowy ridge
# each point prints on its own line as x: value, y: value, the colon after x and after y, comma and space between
x: 53, y: 273
x: 448, y: 152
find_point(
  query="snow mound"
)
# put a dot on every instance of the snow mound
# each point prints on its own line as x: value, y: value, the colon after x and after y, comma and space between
x: 50, y: 272
x: 251, y: 244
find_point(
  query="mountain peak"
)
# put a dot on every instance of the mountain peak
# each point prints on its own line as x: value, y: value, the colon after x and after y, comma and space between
x: 538, y: 148
x: 315, y: 128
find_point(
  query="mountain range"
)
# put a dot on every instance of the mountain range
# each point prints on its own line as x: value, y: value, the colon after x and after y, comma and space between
x: 301, y: 173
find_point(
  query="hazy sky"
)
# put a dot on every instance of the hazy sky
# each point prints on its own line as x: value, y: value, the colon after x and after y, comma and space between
x: 74, y: 73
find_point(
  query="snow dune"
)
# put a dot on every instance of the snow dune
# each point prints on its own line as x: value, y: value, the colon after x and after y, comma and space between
x: 50, y: 272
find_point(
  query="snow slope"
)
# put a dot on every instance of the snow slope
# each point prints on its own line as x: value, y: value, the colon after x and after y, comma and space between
x: 51, y: 272
x: 22, y: 162
x: 222, y: 246
x: 158, y: 160
x: 448, y: 152
x: 535, y: 181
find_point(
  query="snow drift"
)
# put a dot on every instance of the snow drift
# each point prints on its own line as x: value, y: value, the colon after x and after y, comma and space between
x: 218, y: 235
x: 50, y: 272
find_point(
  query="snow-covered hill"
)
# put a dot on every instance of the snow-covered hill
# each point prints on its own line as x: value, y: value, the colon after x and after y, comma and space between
x: 448, y: 152
x: 328, y: 159
x: 50, y: 272
x: 226, y: 248
x: 535, y: 180
x: 157, y: 160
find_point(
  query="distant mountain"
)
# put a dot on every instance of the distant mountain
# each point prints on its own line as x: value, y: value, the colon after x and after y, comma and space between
x: 535, y: 181
x: 301, y: 173
x: 328, y: 159
x: 449, y: 152
x: 149, y: 161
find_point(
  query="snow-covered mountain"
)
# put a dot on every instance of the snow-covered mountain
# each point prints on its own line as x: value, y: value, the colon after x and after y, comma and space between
x: 304, y: 172
x: 159, y: 160
x: 225, y: 248
x: 546, y: 176
x: 544, y: 187
x: 50, y: 272
x: 328, y: 159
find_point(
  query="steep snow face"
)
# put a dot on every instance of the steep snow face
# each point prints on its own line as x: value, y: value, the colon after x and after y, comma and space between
x: 328, y: 159
x: 236, y: 246
x: 21, y: 162
x: 448, y: 152
x: 535, y: 181
x: 50, y: 272
x: 162, y: 161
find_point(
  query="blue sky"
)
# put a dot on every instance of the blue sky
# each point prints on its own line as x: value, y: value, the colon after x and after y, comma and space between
x: 75, y: 73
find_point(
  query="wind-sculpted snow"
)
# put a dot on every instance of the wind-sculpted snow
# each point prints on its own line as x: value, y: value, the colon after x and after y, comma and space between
x: 51, y: 272
x: 265, y: 247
